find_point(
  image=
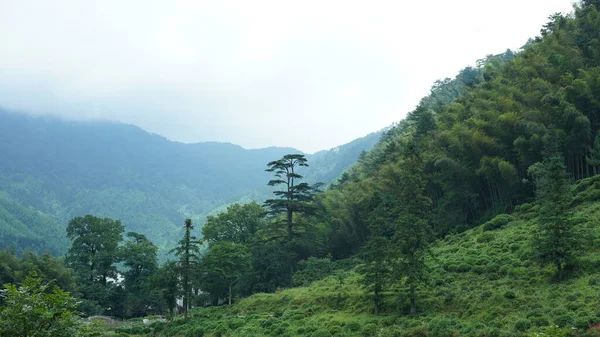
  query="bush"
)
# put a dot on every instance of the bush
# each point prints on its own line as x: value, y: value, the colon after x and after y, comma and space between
x: 463, y: 268
x: 321, y: 333
x: 564, y: 320
x: 311, y: 270
x: 510, y: 295
x: 353, y: 326
x: 369, y: 329
x: 522, y: 325
x: 498, y: 222
x: 539, y: 321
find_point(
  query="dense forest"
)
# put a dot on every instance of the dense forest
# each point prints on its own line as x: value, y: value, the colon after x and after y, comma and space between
x: 477, y: 215
x: 66, y: 169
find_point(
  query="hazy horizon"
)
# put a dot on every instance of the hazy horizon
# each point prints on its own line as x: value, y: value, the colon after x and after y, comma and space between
x: 310, y: 76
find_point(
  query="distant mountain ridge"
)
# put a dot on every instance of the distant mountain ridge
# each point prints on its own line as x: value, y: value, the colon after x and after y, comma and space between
x: 69, y: 168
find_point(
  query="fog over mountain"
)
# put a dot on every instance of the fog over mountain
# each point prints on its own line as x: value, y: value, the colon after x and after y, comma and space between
x: 239, y: 72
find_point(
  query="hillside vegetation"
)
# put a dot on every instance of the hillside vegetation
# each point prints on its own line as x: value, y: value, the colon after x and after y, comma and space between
x: 477, y: 215
x: 483, y: 283
x: 464, y: 217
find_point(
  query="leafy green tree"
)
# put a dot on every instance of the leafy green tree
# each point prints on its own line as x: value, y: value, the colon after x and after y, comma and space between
x: 223, y: 266
x: 93, y: 256
x: 556, y: 239
x: 165, y: 281
x: 238, y: 224
x: 270, y: 267
x: 32, y: 309
x: 188, y: 250
x: 94, y: 250
x: 139, y: 257
x: 295, y: 197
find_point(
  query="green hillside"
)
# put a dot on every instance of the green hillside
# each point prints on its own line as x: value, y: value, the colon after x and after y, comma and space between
x: 482, y: 283
x: 477, y: 215
x: 66, y: 169
x: 23, y: 228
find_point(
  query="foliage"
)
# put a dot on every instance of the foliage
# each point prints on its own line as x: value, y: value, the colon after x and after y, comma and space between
x: 238, y: 224
x: 556, y: 240
x: 139, y: 257
x: 295, y: 196
x: 188, y: 250
x: 224, y: 265
x: 34, y: 309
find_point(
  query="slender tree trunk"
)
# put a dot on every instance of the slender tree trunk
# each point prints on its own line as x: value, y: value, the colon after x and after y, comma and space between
x: 377, y: 303
x: 413, y: 300
x: 289, y: 223
x: 559, y: 270
x: 230, y: 293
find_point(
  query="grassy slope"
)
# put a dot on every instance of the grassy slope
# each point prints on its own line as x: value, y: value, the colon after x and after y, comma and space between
x: 483, y: 283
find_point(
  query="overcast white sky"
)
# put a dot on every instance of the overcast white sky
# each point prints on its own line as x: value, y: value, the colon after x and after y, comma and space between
x: 307, y: 74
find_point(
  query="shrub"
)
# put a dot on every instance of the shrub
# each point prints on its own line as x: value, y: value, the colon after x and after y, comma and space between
x: 510, y: 295
x: 311, y: 270
x: 498, y: 222
x: 463, y: 268
x: 539, y: 321
x: 353, y: 326
x: 369, y: 329
x: 564, y: 320
x: 522, y: 325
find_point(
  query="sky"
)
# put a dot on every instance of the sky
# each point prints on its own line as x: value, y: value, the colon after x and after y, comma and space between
x: 306, y: 74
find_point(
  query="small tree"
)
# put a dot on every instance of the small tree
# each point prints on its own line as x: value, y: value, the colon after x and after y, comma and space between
x: 376, y: 270
x: 139, y: 256
x: 31, y: 309
x: 223, y: 266
x: 166, y: 281
x: 187, y: 250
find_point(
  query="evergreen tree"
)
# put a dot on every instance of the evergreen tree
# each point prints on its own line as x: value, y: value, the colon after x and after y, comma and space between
x: 412, y: 227
x: 376, y: 270
x: 187, y: 249
x: 556, y: 240
x: 295, y: 196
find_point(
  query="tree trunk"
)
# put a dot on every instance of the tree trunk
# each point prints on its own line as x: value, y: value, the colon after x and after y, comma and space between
x: 559, y: 270
x: 289, y: 224
x: 229, y: 293
x: 413, y: 300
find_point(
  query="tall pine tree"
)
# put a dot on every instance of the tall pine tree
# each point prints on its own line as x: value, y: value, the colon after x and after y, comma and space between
x: 188, y: 250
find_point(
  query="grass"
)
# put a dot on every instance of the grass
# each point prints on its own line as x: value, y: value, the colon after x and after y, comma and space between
x: 483, y: 282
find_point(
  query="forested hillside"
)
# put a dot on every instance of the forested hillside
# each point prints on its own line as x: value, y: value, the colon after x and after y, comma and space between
x: 23, y: 228
x: 65, y: 169
x: 476, y: 215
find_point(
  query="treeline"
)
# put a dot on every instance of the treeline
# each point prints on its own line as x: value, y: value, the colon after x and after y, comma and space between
x: 517, y: 128
x: 477, y: 147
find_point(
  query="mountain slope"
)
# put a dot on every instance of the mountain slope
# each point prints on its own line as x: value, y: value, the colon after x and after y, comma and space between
x: 66, y: 169
x: 23, y: 228
x: 481, y: 283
